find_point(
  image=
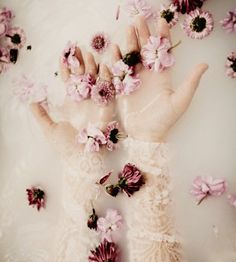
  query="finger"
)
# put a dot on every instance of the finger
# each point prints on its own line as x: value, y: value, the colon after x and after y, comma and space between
x: 79, y: 56
x: 42, y: 117
x: 104, y: 73
x: 163, y: 29
x: 131, y: 40
x: 116, y: 53
x: 90, y: 64
x: 64, y: 72
x: 142, y: 30
x: 182, y: 97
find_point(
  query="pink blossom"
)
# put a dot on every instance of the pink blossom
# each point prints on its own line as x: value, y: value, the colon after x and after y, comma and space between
x: 231, y: 65
x: 15, y: 37
x: 99, y: 42
x: 36, y: 197
x: 169, y: 13
x: 112, y: 135
x: 138, y: 7
x: 156, y: 54
x: 186, y: 6
x: 110, y: 223
x: 232, y: 199
x: 3, y: 28
x: 4, y: 59
x: 5, y: 17
x: 229, y: 22
x: 207, y: 186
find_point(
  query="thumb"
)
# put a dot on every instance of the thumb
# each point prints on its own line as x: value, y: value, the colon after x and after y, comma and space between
x: 182, y: 97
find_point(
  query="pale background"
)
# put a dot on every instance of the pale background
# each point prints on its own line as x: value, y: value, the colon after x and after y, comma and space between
x: 202, y: 143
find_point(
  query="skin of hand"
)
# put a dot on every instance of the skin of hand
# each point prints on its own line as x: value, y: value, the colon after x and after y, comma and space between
x: 149, y: 112
x: 63, y: 134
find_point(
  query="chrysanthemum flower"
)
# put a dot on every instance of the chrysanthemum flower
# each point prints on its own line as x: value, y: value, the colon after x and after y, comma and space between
x: 231, y: 65
x: 4, y: 59
x: 186, y: 6
x: 198, y: 24
x: 108, y: 224
x: 103, y: 92
x: 156, y: 54
x: 105, y: 252
x: 99, y: 42
x: 138, y: 7
x: 36, y: 197
x: 113, y: 135
x: 92, y: 221
x: 15, y: 37
x: 170, y: 14
x: 229, y: 22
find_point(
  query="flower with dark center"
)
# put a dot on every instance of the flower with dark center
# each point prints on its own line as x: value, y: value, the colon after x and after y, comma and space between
x: 169, y: 13
x: 99, y: 42
x: 198, y: 24
x: 105, y: 252
x: 229, y: 22
x: 132, y: 58
x: 16, y: 37
x: 186, y: 6
x: 36, y: 196
x: 92, y: 221
x: 231, y: 65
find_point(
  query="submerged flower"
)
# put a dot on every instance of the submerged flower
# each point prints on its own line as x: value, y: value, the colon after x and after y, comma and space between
x: 198, y: 24
x: 16, y: 37
x: 130, y: 179
x: 231, y: 65
x: 92, y: 137
x: 186, y: 6
x: 138, y: 7
x: 99, y: 42
x: 4, y: 59
x: 108, y: 224
x: 229, y: 22
x: 103, y: 92
x: 92, y: 221
x: 169, y: 13
x: 232, y: 199
x: 36, y: 196
x: 113, y: 135
x: 105, y: 252
x: 124, y: 79
x: 207, y: 186
x: 70, y: 59
x: 156, y: 54
x: 79, y: 86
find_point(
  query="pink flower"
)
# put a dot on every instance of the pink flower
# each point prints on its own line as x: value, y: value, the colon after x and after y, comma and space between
x: 186, y: 6
x: 232, y: 199
x: 92, y: 137
x: 103, y: 92
x: 5, y: 17
x: 156, y: 54
x: 36, y: 196
x: 113, y: 135
x: 229, y: 23
x: 109, y: 224
x: 69, y: 58
x: 15, y: 37
x: 231, y: 65
x: 105, y: 252
x: 198, y: 24
x: 79, y: 86
x: 207, y: 186
x: 99, y: 42
x: 4, y: 59
x: 124, y: 79
x: 138, y: 7
x: 169, y: 13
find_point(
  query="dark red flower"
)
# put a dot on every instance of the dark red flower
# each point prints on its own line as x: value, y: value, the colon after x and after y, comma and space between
x: 105, y: 252
x: 186, y: 6
x: 92, y: 221
x: 104, y: 178
x: 130, y: 179
x: 36, y: 196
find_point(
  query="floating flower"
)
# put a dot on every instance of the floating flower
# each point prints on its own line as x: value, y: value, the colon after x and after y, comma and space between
x: 138, y: 7
x: 130, y: 179
x: 4, y: 59
x: 124, y: 79
x: 198, y: 24
x: 186, y: 6
x: 113, y: 135
x: 92, y: 137
x: 170, y: 14
x: 232, y: 199
x: 99, y: 42
x: 156, y: 54
x: 207, y: 186
x: 92, y: 221
x: 231, y: 65
x: 5, y: 14
x: 16, y: 37
x: 108, y: 224
x: 229, y: 23
x: 36, y: 196
x: 103, y: 92
x: 69, y: 58
x: 105, y: 252
x: 79, y: 86
x: 3, y: 28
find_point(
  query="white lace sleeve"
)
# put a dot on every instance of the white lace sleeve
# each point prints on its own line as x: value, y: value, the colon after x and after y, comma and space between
x: 151, y: 233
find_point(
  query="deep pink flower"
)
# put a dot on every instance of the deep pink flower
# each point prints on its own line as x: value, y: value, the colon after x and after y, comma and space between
x: 156, y: 54
x: 186, y: 6
x: 99, y: 42
x: 207, y: 186
x: 15, y: 37
x: 198, y: 24
x: 138, y: 7
x: 169, y: 13
x: 92, y: 221
x: 232, y: 199
x: 105, y: 252
x: 231, y: 65
x: 229, y: 23
x: 108, y: 224
x: 130, y: 179
x: 36, y: 197
x: 4, y: 59
x: 113, y: 135
x: 103, y: 92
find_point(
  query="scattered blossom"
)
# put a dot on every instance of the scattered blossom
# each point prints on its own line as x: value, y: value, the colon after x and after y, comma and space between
x: 113, y: 135
x: 169, y: 13
x: 15, y: 37
x: 5, y: 18
x: 232, y: 199
x: 229, y: 22
x: 36, y: 197
x: 99, y: 42
x: 186, y: 6
x: 198, y: 24
x: 4, y: 59
x: 92, y: 221
x: 138, y: 7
